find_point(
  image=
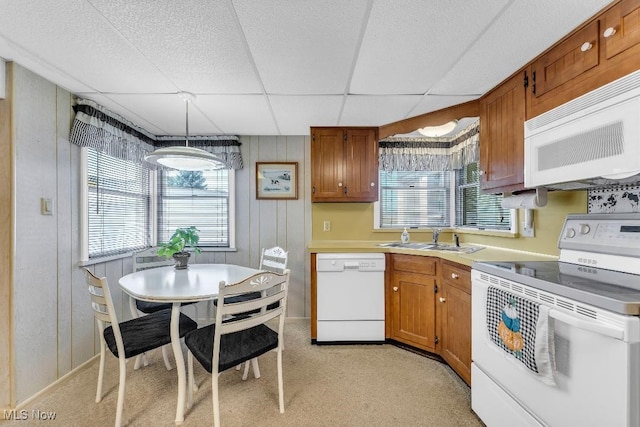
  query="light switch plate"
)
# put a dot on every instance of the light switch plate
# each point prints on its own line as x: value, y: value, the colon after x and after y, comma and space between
x: 46, y: 206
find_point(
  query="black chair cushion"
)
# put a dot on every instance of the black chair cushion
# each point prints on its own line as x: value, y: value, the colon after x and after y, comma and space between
x: 235, y: 348
x: 151, y: 307
x: 147, y: 332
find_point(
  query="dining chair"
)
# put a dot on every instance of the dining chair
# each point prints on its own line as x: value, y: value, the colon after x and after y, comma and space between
x: 233, y: 339
x: 130, y: 338
x: 272, y: 259
x: 144, y: 260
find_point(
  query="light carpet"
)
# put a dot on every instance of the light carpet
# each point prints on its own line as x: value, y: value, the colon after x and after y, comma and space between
x: 324, y: 385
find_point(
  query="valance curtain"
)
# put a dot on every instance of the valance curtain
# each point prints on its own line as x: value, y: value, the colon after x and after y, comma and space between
x: 107, y: 132
x: 430, y: 154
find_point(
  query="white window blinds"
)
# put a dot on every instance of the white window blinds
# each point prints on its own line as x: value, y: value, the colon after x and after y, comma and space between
x: 195, y: 198
x: 414, y: 199
x: 476, y: 209
x: 118, y: 196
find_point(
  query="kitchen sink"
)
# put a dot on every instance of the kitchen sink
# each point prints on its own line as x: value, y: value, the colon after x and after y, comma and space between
x: 423, y: 246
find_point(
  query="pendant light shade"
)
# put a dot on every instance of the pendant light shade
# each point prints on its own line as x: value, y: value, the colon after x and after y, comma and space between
x: 185, y: 158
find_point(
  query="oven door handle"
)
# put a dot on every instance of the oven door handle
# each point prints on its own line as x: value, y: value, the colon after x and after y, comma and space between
x: 598, y: 328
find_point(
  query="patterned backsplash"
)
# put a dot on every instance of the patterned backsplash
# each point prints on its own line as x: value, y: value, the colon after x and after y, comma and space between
x: 614, y: 200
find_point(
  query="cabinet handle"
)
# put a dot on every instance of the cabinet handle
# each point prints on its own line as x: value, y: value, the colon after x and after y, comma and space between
x: 454, y: 275
x: 586, y: 46
x: 442, y: 299
x: 395, y: 289
x: 373, y: 184
x: 609, y: 32
x: 339, y: 184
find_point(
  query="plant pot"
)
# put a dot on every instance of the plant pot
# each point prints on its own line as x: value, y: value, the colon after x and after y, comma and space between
x: 181, y: 259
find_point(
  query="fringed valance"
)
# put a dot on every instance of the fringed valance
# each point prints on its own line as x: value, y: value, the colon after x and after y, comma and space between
x: 434, y: 154
x: 96, y: 127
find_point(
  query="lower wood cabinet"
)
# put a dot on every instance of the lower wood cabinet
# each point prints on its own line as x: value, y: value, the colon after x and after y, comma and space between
x: 428, y: 304
x: 454, y: 317
x: 411, y: 300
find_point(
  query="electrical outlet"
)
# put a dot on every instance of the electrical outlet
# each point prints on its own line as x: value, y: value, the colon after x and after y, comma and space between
x: 525, y: 231
x: 326, y: 226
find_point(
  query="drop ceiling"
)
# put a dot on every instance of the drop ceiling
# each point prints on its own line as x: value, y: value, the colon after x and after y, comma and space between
x: 277, y: 67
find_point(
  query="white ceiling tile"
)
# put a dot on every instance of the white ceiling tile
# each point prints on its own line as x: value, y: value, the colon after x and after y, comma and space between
x: 520, y: 34
x: 303, y: 46
x: 296, y: 114
x: 72, y: 35
x: 373, y: 110
x: 411, y: 44
x: 240, y: 115
x: 196, y: 44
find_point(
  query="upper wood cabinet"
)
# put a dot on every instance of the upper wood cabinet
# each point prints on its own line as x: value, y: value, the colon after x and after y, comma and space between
x: 621, y: 27
x: 502, y: 113
x: 566, y: 61
x: 344, y: 164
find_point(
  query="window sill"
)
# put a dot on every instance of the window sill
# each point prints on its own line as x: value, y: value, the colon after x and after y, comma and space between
x: 100, y: 260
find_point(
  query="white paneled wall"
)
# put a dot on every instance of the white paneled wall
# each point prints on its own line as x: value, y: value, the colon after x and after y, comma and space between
x: 54, y: 330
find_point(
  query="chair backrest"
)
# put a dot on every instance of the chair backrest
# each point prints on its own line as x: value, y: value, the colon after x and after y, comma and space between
x: 102, y: 305
x: 274, y: 259
x: 273, y: 288
x: 149, y: 258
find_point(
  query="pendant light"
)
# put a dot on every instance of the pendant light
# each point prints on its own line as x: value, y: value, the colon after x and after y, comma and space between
x: 185, y: 158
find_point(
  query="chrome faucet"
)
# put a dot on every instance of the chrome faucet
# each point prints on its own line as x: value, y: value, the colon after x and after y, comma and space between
x: 436, y: 234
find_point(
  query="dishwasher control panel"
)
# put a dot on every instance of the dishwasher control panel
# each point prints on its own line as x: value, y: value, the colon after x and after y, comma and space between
x: 350, y: 262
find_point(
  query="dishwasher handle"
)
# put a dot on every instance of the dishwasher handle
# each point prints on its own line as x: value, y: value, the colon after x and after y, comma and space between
x: 351, y: 265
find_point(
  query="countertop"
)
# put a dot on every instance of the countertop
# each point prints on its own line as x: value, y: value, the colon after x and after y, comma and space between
x: 488, y: 253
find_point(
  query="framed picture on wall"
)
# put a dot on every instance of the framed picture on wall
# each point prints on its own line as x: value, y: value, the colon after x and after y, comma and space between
x: 276, y: 180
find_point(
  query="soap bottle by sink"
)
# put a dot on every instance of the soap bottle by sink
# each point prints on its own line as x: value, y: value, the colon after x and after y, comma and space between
x: 404, y: 237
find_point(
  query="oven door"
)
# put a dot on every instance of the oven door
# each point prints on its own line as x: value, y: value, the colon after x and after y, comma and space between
x: 596, y: 376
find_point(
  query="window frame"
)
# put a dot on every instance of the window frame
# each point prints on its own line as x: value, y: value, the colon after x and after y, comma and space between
x: 153, y: 227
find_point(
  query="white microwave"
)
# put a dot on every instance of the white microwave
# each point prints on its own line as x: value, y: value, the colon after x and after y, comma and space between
x: 591, y: 141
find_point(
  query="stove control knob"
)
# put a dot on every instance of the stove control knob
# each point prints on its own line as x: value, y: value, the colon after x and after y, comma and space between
x: 570, y: 233
x: 584, y: 229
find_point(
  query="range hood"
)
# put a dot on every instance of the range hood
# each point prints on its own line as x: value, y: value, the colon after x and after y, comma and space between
x: 590, y: 142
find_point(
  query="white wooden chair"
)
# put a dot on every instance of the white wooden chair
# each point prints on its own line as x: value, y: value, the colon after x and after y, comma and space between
x: 130, y: 338
x: 145, y: 260
x: 239, y: 338
x: 272, y: 259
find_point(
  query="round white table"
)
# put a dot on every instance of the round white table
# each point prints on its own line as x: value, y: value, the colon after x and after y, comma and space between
x: 199, y: 282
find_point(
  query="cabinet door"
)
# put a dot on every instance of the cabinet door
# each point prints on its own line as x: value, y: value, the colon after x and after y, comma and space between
x: 455, y: 330
x: 413, y: 312
x: 327, y: 158
x: 361, y: 165
x: 621, y: 27
x: 502, y: 137
x: 454, y: 317
x: 566, y: 61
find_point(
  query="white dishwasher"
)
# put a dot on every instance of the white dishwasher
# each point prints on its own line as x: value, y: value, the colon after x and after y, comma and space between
x: 350, y: 297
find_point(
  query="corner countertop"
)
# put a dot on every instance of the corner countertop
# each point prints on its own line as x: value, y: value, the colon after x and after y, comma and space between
x: 488, y: 253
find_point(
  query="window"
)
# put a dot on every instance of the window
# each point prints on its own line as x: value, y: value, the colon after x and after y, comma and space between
x: 414, y: 199
x: 118, y: 204
x: 426, y: 199
x: 476, y: 209
x: 198, y: 198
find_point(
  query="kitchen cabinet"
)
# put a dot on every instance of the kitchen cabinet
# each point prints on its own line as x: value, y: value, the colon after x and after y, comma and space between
x: 454, y: 317
x: 411, y: 300
x: 502, y: 114
x: 600, y: 51
x: 344, y: 164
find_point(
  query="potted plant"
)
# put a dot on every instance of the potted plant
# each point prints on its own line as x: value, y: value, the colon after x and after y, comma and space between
x: 182, y: 238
